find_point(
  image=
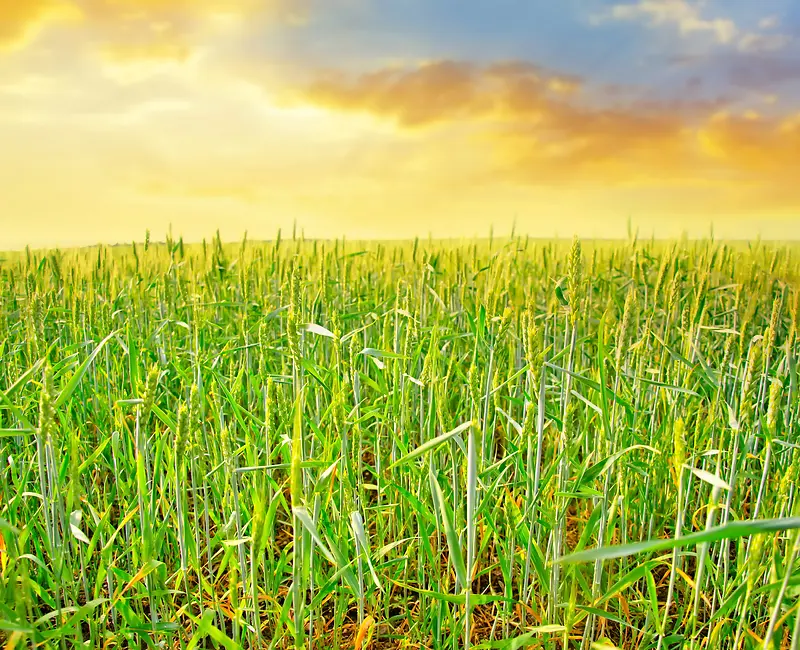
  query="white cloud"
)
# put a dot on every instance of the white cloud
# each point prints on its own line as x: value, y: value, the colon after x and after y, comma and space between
x: 685, y: 16
x: 752, y: 42
x: 757, y: 42
x: 768, y: 23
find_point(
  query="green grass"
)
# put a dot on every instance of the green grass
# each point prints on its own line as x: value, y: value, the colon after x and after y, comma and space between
x: 490, y: 444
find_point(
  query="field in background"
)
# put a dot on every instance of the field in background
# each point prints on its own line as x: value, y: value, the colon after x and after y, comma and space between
x: 400, y: 445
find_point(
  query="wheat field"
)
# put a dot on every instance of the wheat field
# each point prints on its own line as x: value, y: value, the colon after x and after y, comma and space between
x: 503, y: 443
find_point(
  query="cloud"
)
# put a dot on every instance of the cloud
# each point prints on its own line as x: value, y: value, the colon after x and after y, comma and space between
x: 207, y: 121
x: 753, y: 42
x: 685, y: 16
x: 509, y: 115
x: 442, y: 90
x: 689, y: 19
x: 413, y: 98
x: 128, y: 31
x: 768, y: 22
x: 19, y: 19
x: 505, y: 92
x: 157, y: 41
x: 761, y: 72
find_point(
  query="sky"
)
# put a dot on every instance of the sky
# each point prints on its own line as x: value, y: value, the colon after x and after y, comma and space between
x: 378, y: 119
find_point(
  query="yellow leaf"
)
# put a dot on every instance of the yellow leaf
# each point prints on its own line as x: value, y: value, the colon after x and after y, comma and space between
x: 364, y: 631
x: 3, y: 554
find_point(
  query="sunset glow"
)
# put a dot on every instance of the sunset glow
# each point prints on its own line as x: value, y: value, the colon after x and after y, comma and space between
x: 389, y: 120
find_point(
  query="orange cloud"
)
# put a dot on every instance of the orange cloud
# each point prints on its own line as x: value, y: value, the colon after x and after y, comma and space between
x: 20, y: 18
x: 16, y: 17
x: 442, y: 91
x: 532, y: 132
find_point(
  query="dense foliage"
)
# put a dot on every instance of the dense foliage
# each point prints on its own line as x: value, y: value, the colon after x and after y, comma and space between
x: 412, y: 445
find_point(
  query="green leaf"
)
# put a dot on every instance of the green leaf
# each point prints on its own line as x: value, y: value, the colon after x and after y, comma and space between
x: 73, y: 382
x: 560, y: 293
x: 357, y: 523
x: 319, y: 330
x: 381, y: 354
x: 456, y: 599
x: 523, y: 641
x: 16, y: 411
x: 206, y: 629
x: 430, y: 445
x: 453, y: 545
x: 15, y: 626
x: 733, y: 530
x: 74, y: 526
x: 333, y: 554
x: 602, y: 466
x: 13, y: 433
x: 95, y: 455
x: 708, y: 477
x: 305, y: 519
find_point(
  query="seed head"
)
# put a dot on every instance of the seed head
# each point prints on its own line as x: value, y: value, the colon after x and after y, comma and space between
x: 149, y: 394
x: 686, y: 319
x: 672, y: 297
x: 38, y: 317
x: 625, y: 326
x: 505, y: 322
x: 475, y: 387
x: 754, y: 560
x: 429, y: 365
x: 339, y: 413
x: 529, y: 423
x: 752, y: 361
x: 532, y: 340
x: 571, y: 419
x: 789, y: 476
x: 440, y: 391
x: 258, y: 524
x: 679, y: 448
x: 497, y: 381
x: 727, y: 354
x: 575, y: 279
x: 743, y: 335
x: 271, y: 407
x: 353, y: 353
x: 225, y: 447
x: 660, y: 278
x: 336, y: 326
x: 181, y: 431
x: 775, y: 390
